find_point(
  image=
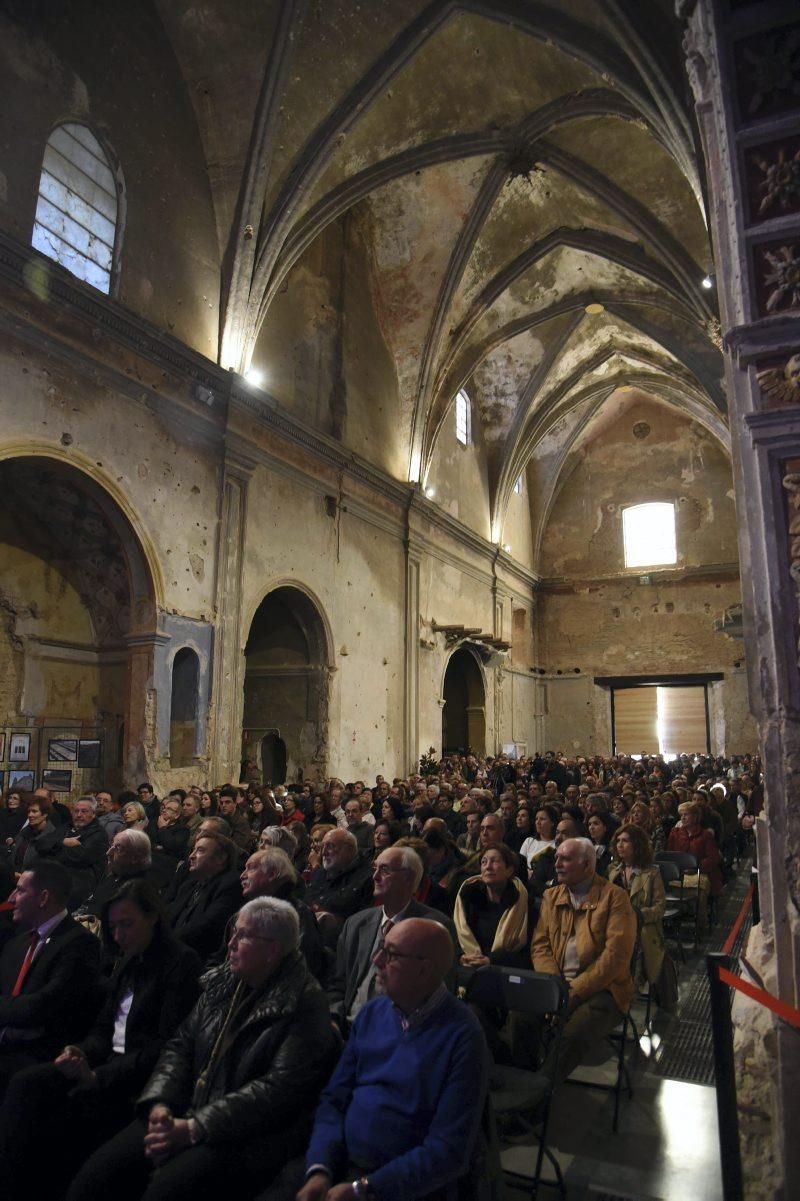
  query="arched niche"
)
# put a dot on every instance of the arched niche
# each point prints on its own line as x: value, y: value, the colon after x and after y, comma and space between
x: 78, y: 632
x: 286, y: 686
x: 464, y: 711
x: 184, y: 708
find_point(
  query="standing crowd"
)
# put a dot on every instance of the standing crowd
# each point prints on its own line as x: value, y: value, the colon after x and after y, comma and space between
x: 261, y: 988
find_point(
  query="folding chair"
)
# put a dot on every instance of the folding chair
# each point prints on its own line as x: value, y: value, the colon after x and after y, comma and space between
x: 689, y: 898
x: 517, y: 1090
x: 673, y: 914
x: 618, y: 1039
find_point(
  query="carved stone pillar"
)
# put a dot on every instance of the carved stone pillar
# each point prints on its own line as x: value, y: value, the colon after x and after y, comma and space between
x: 743, y: 61
x: 140, y: 750
x: 411, y: 673
x: 228, y: 651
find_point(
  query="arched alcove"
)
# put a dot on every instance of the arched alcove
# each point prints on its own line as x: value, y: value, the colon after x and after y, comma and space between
x: 464, y: 712
x: 183, y: 708
x: 273, y: 759
x: 286, y: 686
x: 78, y: 627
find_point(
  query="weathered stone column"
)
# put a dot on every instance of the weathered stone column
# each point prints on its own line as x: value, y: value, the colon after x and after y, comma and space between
x: 412, y: 748
x: 141, y: 751
x: 743, y: 61
x: 228, y: 653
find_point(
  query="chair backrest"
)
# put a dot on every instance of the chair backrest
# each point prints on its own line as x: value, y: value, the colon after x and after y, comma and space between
x: 682, y: 860
x: 518, y: 990
x: 669, y: 872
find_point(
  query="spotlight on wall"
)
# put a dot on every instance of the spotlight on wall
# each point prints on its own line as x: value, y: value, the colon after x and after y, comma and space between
x: 254, y: 377
x: 707, y: 282
x: 506, y: 548
x: 594, y: 308
x: 430, y: 492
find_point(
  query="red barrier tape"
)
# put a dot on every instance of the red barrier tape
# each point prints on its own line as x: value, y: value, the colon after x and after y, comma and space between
x: 787, y: 1012
x: 737, y: 925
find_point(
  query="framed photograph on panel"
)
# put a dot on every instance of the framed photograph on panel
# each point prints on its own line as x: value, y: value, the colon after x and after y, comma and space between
x: 57, y: 778
x: 2, y: 747
x: 62, y: 750
x: 19, y: 750
x: 89, y: 752
x: 22, y: 779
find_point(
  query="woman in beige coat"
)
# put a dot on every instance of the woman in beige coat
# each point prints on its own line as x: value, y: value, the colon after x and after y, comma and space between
x: 634, y: 871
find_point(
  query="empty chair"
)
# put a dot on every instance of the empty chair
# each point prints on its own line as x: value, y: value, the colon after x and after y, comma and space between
x: 517, y: 1090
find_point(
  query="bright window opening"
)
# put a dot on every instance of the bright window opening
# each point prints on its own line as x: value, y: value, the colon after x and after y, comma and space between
x: 462, y: 418
x: 518, y: 487
x: 649, y: 535
x: 76, y: 214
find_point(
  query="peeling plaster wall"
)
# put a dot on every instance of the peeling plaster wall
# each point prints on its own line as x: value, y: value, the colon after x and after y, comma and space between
x: 172, y: 484
x: 458, y: 475
x: 79, y: 65
x: 356, y: 573
x: 517, y: 532
x: 323, y: 353
x: 599, y: 618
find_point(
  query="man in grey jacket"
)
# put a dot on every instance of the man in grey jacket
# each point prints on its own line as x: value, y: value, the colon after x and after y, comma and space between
x: 396, y: 877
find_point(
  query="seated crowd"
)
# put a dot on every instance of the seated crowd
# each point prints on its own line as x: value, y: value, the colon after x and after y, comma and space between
x: 259, y: 987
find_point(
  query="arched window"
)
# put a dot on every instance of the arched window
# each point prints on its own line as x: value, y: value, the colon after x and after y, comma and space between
x: 518, y: 486
x: 76, y: 215
x: 463, y: 418
x: 649, y: 534
x: 183, y: 708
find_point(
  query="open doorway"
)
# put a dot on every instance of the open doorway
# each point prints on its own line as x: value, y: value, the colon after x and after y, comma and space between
x: 464, y: 713
x: 286, y: 688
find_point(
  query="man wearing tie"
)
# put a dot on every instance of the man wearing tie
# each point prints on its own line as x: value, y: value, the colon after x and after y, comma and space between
x: 49, y: 973
x: 396, y: 876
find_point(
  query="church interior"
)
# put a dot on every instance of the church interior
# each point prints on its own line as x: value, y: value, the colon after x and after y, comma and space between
x: 340, y: 345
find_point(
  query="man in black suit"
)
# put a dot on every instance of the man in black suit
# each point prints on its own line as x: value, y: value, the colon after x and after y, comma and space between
x: 49, y: 975
x: 396, y: 877
x: 209, y: 896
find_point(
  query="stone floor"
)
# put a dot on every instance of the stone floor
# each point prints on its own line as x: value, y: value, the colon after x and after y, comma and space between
x: 667, y: 1145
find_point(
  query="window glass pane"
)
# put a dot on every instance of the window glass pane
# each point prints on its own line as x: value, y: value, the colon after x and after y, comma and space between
x: 462, y: 418
x: 76, y: 214
x: 649, y: 535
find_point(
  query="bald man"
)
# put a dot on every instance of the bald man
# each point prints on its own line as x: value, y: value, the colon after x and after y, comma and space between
x: 400, y: 1115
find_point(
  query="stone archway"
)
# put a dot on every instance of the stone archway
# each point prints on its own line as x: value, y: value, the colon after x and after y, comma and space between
x: 78, y: 625
x: 286, y: 685
x: 464, y: 712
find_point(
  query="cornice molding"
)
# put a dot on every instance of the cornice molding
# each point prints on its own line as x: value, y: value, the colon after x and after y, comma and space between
x: 104, y: 313
x: 710, y: 571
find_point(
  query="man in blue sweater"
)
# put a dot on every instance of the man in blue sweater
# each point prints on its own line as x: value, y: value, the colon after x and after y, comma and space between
x: 400, y: 1115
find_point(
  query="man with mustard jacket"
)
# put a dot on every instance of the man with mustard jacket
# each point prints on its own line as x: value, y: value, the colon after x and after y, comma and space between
x: 586, y: 933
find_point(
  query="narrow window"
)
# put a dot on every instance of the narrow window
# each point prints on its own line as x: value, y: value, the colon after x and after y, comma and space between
x: 518, y: 487
x: 649, y: 535
x: 76, y: 214
x: 462, y: 418
x: 183, y: 708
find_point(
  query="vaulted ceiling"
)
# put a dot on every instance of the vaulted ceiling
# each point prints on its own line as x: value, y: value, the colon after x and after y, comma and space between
x: 531, y: 180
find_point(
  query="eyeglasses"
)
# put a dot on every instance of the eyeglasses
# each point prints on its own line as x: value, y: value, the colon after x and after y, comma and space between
x: 382, y: 870
x: 390, y: 955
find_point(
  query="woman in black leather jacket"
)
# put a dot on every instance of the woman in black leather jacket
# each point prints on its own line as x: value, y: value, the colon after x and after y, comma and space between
x: 88, y: 1092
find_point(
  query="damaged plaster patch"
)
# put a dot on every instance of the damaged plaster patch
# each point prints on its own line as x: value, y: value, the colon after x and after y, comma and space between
x: 414, y: 224
x: 499, y: 383
x: 198, y: 566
